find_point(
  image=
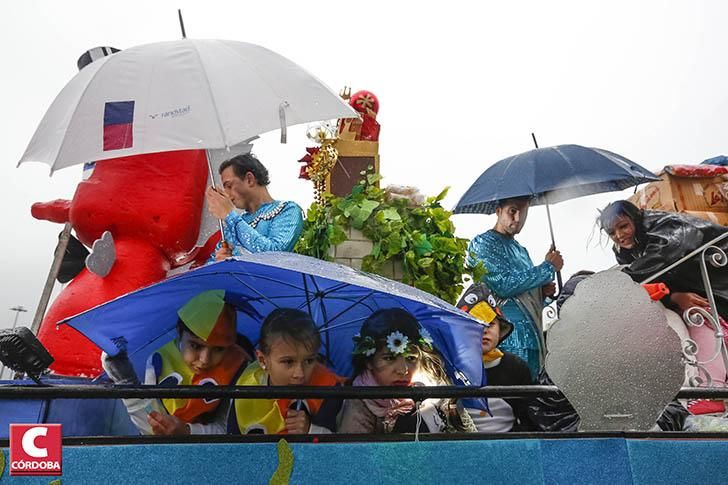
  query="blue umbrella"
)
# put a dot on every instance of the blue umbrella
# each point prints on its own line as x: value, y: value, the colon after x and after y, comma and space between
x: 338, y: 298
x: 552, y: 175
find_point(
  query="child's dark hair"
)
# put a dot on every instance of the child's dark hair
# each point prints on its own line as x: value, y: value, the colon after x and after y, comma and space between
x: 382, y: 323
x: 182, y: 328
x: 290, y: 324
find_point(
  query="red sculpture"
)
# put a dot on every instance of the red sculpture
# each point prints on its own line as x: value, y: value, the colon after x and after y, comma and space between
x: 152, y: 205
x: 367, y: 104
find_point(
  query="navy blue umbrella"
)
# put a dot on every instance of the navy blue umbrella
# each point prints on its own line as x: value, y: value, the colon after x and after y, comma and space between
x: 552, y: 175
x: 338, y: 298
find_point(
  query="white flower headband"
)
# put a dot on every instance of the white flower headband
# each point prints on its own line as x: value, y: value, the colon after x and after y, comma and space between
x: 397, y: 343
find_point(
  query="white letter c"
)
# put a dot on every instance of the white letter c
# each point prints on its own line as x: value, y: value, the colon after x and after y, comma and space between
x: 28, y: 442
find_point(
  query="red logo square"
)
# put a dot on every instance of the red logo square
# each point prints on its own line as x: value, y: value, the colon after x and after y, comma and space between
x: 35, y: 449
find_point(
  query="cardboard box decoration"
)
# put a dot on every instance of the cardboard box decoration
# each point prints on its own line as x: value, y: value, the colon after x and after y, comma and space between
x: 701, y: 191
x: 714, y: 217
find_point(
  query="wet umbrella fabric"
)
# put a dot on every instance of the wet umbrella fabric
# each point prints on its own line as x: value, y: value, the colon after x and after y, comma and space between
x: 338, y: 298
x: 177, y: 95
x: 551, y: 175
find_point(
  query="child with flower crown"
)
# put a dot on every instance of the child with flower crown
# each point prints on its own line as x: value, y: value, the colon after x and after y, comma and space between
x: 393, y: 349
x: 287, y: 356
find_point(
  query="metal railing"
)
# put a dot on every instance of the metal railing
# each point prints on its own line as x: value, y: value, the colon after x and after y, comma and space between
x: 698, y: 317
x: 95, y: 391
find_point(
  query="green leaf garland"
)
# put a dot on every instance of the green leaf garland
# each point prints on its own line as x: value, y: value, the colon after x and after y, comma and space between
x: 422, y: 237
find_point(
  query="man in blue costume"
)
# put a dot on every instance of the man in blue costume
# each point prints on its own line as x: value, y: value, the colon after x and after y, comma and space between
x: 265, y: 224
x: 513, y: 278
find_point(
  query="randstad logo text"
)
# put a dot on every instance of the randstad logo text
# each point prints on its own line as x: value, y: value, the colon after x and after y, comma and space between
x: 35, y: 449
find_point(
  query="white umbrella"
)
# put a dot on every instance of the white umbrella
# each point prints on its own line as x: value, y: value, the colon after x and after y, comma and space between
x: 182, y: 94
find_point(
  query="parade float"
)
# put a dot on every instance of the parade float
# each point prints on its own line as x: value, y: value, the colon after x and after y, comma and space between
x: 144, y: 234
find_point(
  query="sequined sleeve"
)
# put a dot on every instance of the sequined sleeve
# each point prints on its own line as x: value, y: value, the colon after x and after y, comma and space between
x: 284, y: 231
x: 502, y: 277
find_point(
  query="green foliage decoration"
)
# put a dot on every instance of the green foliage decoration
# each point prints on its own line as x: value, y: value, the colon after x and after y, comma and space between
x: 422, y: 237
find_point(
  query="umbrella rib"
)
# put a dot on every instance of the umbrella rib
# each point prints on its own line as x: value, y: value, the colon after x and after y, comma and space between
x: 336, y: 288
x: 324, y: 315
x: 153, y: 341
x: 343, y: 324
x: 267, y: 278
x: 255, y: 291
x: 305, y: 289
x: 355, y: 303
x: 315, y: 285
x: 350, y: 299
x: 277, y: 297
x: 347, y: 299
x: 301, y: 305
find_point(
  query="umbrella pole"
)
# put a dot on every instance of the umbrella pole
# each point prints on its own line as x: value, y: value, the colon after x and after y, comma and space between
x: 212, y: 181
x: 181, y: 23
x: 551, y: 228
x: 553, y: 247
x: 45, y: 297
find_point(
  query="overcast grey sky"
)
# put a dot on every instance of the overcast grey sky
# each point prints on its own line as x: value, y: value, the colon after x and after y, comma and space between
x: 461, y: 85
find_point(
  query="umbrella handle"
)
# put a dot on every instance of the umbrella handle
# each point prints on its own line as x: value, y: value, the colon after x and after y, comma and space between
x: 559, y: 281
x: 559, y: 284
x: 212, y: 181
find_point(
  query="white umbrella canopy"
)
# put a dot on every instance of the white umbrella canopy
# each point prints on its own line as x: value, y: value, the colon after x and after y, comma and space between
x: 176, y: 95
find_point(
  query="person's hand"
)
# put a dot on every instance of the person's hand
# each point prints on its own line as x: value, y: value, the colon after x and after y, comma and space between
x: 223, y: 253
x: 119, y: 369
x: 688, y: 300
x: 554, y: 257
x: 297, y: 422
x: 218, y: 204
x: 167, y: 425
x: 549, y: 290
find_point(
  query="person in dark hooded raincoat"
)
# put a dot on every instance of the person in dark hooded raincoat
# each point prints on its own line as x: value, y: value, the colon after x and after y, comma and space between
x: 648, y: 241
